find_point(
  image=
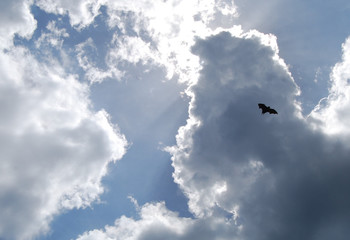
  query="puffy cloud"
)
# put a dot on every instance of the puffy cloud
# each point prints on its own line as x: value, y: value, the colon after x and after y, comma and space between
x: 278, y: 176
x: 157, y: 222
x: 15, y: 18
x: 238, y: 73
x: 332, y: 113
x: 54, y: 148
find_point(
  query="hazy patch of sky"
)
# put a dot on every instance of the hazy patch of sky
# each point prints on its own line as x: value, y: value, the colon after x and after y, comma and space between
x: 149, y: 126
x: 145, y: 171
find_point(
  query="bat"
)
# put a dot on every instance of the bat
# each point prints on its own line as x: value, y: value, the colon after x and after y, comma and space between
x: 265, y: 109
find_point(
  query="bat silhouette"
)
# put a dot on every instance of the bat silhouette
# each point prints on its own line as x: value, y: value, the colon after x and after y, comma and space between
x: 265, y: 109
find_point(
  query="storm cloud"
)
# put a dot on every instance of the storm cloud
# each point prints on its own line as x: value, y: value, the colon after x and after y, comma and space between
x: 282, y: 178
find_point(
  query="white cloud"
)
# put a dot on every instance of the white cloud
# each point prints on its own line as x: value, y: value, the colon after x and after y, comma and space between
x: 15, y: 18
x: 81, y: 12
x: 154, y: 218
x: 157, y: 222
x: 161, y: 31
x: 54, y: 37
x: 131, y: 49
x: 54, y: 148
x: 87, y: 57
x: 332, y: 113
x: 165, y: 31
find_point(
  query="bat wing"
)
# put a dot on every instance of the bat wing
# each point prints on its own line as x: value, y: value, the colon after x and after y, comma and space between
x: 273, y: 111
x: 263, y: 108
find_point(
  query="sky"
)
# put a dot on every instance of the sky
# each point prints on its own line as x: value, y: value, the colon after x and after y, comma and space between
x: 139, y: 120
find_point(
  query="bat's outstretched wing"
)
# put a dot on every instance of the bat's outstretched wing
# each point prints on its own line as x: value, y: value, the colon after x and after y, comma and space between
x: 263, y: 108
x: 273, y: 111
x: 261, y: 105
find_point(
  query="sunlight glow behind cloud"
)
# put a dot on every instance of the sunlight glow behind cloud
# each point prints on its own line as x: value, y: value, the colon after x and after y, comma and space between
x: 247, y: 176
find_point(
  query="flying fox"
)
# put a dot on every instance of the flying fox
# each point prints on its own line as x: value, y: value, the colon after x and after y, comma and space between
x: 265, y: 109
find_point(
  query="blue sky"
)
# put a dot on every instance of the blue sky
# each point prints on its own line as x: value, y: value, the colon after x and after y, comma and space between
x: 139, y: 120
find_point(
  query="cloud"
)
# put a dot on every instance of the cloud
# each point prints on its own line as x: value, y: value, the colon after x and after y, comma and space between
x: 273, y: 177
x: 157, y: 32
x: 54, y: 37
x: 15, y: 18
x: 161, y: 31
x: 81, y: 12
x: 54, y: 148
x: 331, y: 115
x: 157, y: 222
x: 225, y: 127
x: 246, y: 175
x: 87, y: 56
x: 281, y: 178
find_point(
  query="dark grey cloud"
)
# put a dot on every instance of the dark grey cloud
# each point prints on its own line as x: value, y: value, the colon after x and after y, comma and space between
x: 288, y: 180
